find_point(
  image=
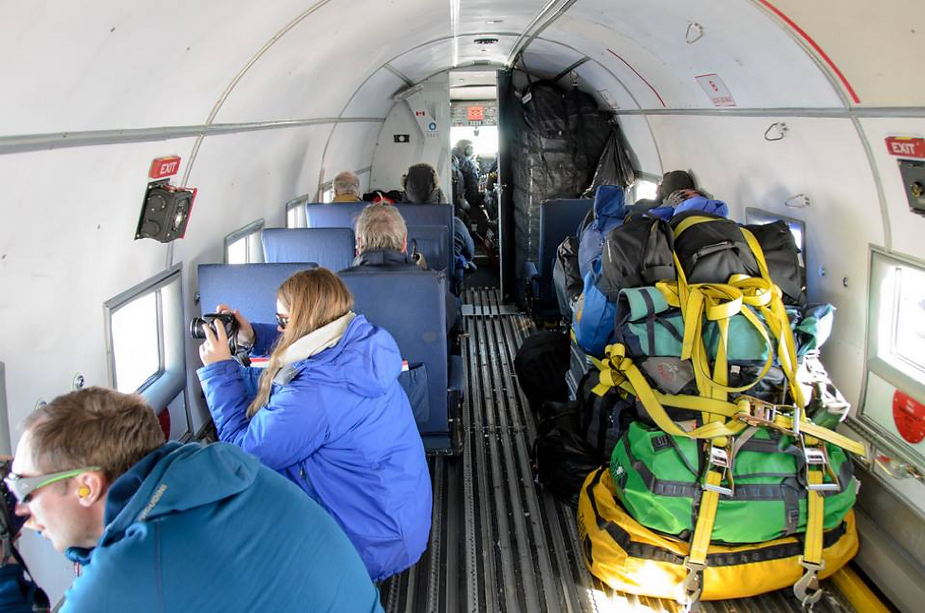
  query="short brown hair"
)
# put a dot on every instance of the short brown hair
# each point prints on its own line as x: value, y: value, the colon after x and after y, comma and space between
x: 380, y: 227
x: 93, y: 427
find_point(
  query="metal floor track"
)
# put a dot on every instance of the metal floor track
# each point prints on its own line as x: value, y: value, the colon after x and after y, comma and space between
x: 499, y: 542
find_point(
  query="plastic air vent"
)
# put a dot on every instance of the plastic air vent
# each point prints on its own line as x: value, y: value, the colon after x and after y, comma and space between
x: 486, y: 41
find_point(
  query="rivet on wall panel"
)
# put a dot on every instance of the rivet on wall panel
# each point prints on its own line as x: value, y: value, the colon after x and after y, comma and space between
x: 776, y: 131
x: 694, y: 33
x: 822, y: 271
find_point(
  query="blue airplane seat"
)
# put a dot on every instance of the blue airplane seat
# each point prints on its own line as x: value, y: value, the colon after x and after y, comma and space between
x: 431, y: 241
x: 332, y: 248
x: 411, y: 305
x: 558, y: 219
x: 250, y: 288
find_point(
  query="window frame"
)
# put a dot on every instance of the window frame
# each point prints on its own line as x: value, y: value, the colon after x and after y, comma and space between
x: 251, y: 234
x: 169, y: 382
x: 890, y: 368
x: 296, y: 208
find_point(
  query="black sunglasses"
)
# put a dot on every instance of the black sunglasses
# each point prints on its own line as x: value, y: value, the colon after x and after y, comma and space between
x: 282, y: 321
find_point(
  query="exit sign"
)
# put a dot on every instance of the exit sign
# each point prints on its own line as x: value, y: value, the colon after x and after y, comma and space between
x: 907, y: 147
x: 164, y: 167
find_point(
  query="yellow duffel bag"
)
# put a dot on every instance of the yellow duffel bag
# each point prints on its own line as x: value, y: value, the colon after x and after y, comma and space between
x: 631, y: 558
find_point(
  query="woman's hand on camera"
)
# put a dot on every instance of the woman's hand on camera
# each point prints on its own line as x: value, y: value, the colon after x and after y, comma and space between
x: 215, y: 347
x: 245, y: 329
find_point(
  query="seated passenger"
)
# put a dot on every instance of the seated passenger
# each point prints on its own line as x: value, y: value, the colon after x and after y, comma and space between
x: 169, y: 527
x: 382, y: 240
x: 422, y: 186
x: 329, y: 413
x: 346, y: 187
x: 382, y: 244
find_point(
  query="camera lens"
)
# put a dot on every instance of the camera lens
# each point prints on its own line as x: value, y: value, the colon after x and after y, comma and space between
x: 195, y: 327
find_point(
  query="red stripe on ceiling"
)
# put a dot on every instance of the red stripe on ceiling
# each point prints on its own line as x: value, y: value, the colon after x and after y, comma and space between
x: 816, y: 47
x: 638, y: 75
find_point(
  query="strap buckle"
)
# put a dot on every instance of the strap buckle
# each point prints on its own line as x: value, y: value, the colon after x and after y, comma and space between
x: 818, y: 458
x: 807, y: 589
x: 763, y: 414
x: 719, y: 458
x: 692, y: 586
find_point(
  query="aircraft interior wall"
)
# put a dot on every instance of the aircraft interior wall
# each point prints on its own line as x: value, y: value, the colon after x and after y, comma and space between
x: 265, y: 84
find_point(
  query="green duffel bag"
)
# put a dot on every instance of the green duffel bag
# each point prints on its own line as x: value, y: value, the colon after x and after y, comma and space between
x: 657, y: 479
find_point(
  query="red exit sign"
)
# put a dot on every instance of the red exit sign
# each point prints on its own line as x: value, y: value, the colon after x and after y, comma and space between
x: 164, y: 167
x: 906, y: 147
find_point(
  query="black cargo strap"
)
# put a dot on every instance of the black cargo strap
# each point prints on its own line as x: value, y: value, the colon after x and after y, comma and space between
x: 645, y: 551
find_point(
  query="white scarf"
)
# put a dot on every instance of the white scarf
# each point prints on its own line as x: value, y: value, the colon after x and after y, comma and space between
x: 315, y: 342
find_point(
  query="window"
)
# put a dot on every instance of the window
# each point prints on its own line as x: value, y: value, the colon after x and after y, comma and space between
x: 643, y: 189
x: 328, y: 195
x: 243, y: 246
x: 145, y: 340
x: 898, y: 329
x: 295, y: 212
x: 136, y: 342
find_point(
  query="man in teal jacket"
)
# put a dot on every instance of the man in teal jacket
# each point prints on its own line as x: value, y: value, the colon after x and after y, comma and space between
x: 171, y: 527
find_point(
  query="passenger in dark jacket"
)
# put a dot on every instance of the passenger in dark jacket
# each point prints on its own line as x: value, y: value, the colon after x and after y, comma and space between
x: 329, y: 414
x: 169, y: 527
x: 382, y: 243
x: 463, y: 153
x: 422, y: 186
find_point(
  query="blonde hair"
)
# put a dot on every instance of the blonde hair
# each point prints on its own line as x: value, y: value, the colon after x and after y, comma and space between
x: 380, y: 227
x: 94, y: 426
x: 315, y: 298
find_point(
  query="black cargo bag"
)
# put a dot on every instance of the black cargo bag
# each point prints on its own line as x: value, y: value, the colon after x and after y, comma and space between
x: 602, y: 419
x: 636, y: 253
x: 713, y: 251
x: 541, y: 364
x: 566, y: 276
x: 561, y: 458
x: 783, y: 258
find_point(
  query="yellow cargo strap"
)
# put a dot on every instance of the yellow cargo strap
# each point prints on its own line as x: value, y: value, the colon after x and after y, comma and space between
x: 696, y: 560
x: 807, y: 589
x: 762, y: 293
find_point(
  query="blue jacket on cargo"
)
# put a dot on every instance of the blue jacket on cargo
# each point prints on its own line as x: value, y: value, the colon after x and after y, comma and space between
x: 193, y: 528
x: 339, y: 425
x: 609, y: 210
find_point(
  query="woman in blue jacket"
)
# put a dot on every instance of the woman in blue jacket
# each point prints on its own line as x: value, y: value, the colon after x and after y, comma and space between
x: 329, y: 414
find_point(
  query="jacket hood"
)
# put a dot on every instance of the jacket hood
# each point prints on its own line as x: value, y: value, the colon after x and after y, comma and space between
x: 366, y: 360
x: 382, y: 258
x: 172, y: 478
x: 609, y: 206
x: 704, y: 205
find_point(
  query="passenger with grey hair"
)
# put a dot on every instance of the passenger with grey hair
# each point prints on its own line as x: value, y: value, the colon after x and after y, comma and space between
x: 382, y: 240
x: 382, y: 245
x: 346, y: 187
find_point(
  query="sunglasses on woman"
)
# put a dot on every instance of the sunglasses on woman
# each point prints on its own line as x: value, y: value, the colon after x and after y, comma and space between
x: 282, y: 321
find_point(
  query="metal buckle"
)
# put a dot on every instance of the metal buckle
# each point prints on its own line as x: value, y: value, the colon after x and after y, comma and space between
x: 819, y: 457
x: 719, y: 458
x: 692, y: 585
x: 761, y: 413
x: 807, y: 589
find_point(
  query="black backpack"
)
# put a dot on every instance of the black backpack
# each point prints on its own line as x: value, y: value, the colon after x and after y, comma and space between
x: 566, y: 276
x: 561, y: 457
x: 783, y: 258
x: 602, y: 420
x: 541, y: 364
x: 636, y: 253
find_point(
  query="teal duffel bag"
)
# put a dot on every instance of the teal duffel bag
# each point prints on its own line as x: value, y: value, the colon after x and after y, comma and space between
x: 657, y: 478
x: 648, y: 326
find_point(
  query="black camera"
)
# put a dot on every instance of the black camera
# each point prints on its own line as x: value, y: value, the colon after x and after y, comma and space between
x: 226, y: 320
